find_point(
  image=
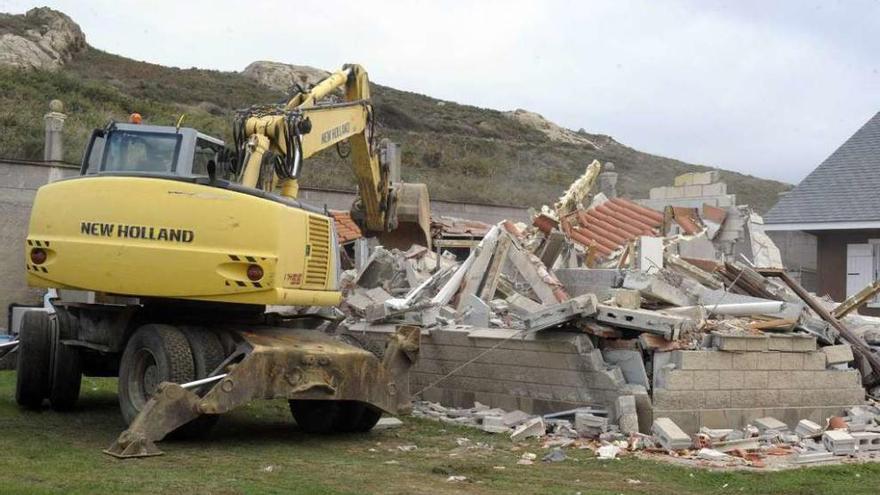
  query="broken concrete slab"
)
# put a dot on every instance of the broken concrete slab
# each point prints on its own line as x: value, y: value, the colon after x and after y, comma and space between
x: 807, y: 429
x: 556, y: 314
x: 631, y: 363
x: 626, y: 298
x: 515, y: 418
x: 656, y: 288
x: 769, y: 424
x: 670, y: 327
x: 669, y: 435
x: 534, y: 427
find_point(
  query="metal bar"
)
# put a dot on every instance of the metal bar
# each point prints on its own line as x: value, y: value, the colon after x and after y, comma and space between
x: 11, y: 343
x: 203, y: 381
x: 859, y: 348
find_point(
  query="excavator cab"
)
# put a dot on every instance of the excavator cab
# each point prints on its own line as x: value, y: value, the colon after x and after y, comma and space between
x: 161, y: 150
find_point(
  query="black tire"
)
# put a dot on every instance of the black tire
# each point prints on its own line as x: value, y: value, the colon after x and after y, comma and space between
x: 315, y: 416
x: 66, y: 378
x: 66, y: 372
x: 355, y: 417
x: 154, y: 354
x: 208, y: 353
x: 32, y: 370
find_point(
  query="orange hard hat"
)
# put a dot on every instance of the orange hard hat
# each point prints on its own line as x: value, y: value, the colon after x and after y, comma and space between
x: 135, y: 118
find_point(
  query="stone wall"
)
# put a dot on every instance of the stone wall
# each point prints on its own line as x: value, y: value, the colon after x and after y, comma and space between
x: 19, y: 181
x: 783, y: 378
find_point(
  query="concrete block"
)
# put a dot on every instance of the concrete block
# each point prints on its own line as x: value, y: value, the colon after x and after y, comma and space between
x: 754, y: 398
x: 684, y: 180
x: 730, y: 380
x: 755, y: 379
x: 669, y: 435
x: 813, y: 361
x: 679, y: 399
x: 807, y: 429
x: 589, y: 424
x: 792, y: 342
x: 867, y: 441
x: 793, y: 361
x: 717, y: 399
x: 531, y: 428
x: 673, y: 193
x: 706, y: 379
x: 494, y: 424
x: 657, y: 193
x: 630, y: 363
x: 837, y: 354
x: 767, y: 361
x: 746, y: 360
x: 740, y: 343
x: 672, y: 379
x: 716, y: 189
x: 839, y: 442
x: 693, y: 191
x: 768, y: 424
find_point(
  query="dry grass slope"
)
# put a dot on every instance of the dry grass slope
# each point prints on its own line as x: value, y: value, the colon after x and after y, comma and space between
x: 462, y: 152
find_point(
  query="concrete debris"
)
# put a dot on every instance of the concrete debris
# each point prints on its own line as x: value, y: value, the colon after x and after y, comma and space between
x: 807, y: 429
x: 669, y: 435
x: 532, y: 428
x: 652, y: 318
x: 839, y: 442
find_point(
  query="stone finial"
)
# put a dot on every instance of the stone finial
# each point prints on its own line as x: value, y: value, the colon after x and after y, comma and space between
x: 54, y: 124
x: 608, y: 181
x: 56, y: 106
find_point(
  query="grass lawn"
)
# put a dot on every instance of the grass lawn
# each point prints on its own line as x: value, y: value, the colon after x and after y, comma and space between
x: 259, y: 449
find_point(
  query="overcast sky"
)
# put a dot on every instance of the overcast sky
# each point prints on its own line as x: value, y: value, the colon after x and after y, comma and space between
x: 761, y: 87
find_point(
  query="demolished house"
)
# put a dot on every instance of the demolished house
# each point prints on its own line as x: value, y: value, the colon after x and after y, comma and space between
x: 633, y: 319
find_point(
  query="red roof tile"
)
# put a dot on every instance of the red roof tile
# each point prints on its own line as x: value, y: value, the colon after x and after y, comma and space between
x: 611, y: 225
x: 346, y: 229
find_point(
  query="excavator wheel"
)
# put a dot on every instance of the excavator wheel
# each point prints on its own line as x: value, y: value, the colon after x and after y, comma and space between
x: 207, y: 352
x: 32, y: 371
x: 315, y: 416
x: 355, y: 417
x: 154, y: 354
x: 66, y: 372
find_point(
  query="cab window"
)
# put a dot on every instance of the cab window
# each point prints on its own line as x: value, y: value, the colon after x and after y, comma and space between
x: 205, y: 153
x: 127, y: 151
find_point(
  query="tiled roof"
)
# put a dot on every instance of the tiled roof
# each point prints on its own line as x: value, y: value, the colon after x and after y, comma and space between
x: 458, y: 227
x: 844, y: 188
x: 612, y: 224
x: 346, y: 229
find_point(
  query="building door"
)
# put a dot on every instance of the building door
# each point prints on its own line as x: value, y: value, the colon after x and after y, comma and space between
x: 859, y: 267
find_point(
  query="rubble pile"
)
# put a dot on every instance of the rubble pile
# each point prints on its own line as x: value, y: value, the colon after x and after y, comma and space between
x: 768, y: 442
x: 624, y: 276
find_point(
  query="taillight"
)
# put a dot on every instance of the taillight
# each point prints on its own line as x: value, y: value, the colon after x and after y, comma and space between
x: 254, y: 272
x: 38, y: 256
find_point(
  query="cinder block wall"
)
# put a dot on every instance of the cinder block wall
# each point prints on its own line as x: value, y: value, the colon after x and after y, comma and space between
x: 543, y: 373
x: 19, y: 181
x: 729, y: 389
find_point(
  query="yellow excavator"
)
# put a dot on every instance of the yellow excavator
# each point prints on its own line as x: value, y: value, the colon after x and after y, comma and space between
x: 182, y: 267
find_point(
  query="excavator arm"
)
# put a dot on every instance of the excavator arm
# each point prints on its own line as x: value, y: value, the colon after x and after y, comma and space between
x: 306, y: 125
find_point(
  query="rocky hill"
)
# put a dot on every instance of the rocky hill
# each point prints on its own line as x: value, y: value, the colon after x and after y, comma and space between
x: 462, y: 152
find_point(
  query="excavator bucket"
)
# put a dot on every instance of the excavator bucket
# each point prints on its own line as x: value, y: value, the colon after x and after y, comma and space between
x: 413, y: 218
x: 283, y: 363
